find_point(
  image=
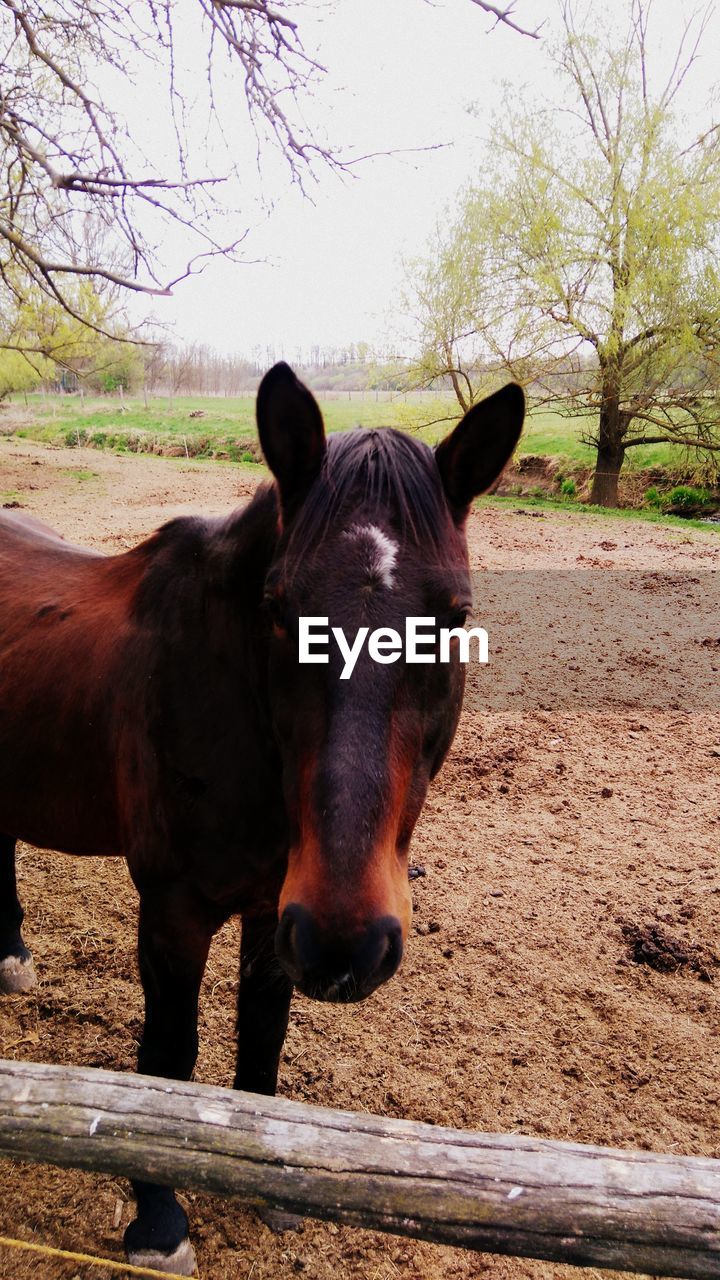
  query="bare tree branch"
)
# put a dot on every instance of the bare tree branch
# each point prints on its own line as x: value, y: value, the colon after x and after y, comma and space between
x: 79, y: 200
x: 505, y: 15
x: 69, y: 162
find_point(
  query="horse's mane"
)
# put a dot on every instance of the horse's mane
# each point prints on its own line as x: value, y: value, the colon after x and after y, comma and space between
x: 384, y: 473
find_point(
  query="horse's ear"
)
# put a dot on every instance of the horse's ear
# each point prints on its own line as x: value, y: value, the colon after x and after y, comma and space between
x: 291, y: 432
x: 472, y: 457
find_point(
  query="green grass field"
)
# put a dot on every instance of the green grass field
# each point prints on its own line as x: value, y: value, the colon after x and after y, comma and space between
x: 569, y: 505
x: 227, y: 426
x: 226, y: 431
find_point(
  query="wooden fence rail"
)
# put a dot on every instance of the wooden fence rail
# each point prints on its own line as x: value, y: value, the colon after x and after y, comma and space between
x: 507, y: 1194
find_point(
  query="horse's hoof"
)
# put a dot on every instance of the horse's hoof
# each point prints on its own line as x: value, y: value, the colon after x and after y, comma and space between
x: 278, y: 1220
x: 17, y: 974
x: 181, y: 1262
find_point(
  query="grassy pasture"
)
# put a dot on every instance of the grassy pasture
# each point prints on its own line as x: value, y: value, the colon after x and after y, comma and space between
x: 554, y: 435
x: 226, y: 431
x: 570, y: 506
x: 226, y: 425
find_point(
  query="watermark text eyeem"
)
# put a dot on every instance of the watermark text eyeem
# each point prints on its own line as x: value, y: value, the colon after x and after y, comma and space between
x: 423, y: 642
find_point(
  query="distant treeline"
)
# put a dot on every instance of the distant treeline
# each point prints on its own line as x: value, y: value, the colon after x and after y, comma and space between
x: 198, y: 370
x: 163, y: 369
x: 201, y: 371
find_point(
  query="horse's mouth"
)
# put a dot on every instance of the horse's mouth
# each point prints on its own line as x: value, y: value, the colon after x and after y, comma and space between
x: 345, y: 990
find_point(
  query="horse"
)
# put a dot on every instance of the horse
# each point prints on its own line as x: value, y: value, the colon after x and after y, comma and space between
x: 152, y: 706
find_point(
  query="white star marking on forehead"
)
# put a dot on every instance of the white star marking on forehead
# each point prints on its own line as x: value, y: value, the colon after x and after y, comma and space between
x: 384, y: 551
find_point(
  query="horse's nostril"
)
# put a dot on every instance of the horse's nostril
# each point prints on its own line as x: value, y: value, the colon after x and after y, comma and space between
x: 330, y: 964
x: 391, y: 957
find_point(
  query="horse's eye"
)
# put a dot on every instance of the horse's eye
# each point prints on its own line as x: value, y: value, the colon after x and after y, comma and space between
x: 458, y: 618
x: 275, y: 611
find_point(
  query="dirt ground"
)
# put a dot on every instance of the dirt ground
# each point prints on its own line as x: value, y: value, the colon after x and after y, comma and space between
x: 561, y: 979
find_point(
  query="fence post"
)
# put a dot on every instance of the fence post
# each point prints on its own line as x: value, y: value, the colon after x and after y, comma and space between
x: 501, y: 1193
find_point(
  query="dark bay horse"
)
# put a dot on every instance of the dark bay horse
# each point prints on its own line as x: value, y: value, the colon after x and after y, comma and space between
x: 152, y: 705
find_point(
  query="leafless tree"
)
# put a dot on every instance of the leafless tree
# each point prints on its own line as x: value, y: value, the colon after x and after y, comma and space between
x: 79, y: 199
x: 69, y: 162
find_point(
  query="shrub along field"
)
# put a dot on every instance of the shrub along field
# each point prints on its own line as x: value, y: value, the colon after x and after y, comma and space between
x: 224, y: 429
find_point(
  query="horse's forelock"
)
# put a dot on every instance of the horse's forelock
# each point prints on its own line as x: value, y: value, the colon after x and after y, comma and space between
x: 390, y: 476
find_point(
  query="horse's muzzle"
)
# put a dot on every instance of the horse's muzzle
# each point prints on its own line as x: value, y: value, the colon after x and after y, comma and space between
x: 331, y: 966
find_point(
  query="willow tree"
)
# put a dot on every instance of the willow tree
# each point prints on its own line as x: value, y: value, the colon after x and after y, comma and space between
x: 16, y: 374
x: 587, y: 261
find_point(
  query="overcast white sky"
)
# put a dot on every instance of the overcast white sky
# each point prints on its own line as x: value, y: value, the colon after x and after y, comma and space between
x: 401, y: 74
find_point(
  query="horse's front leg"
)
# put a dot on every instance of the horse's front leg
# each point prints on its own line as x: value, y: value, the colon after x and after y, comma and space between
x: 17, y: 972
x: 264, y: 998
x: 263, y: 1008
x: 173, y: 942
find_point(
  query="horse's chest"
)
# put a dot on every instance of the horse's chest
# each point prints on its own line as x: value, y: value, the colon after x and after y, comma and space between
x: 224, y: 815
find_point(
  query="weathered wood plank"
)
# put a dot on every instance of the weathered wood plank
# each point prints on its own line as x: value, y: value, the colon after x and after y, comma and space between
x: 526, y: 1197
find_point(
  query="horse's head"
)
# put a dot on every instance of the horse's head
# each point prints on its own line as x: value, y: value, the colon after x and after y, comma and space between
x: 372, y: 533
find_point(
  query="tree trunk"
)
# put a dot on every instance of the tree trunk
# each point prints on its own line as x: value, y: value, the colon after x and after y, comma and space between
x: 611, y: 452
x: 604, y: 491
